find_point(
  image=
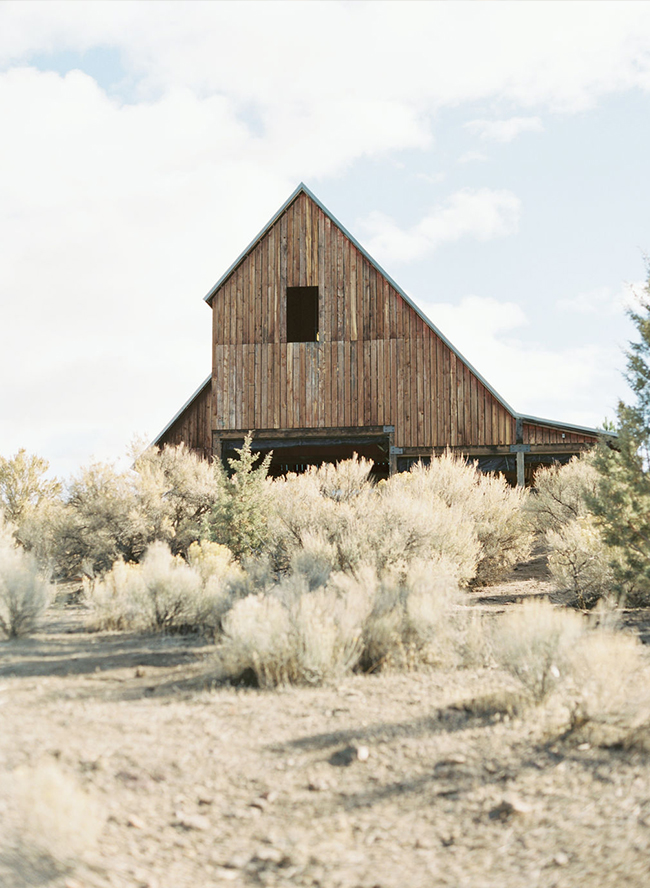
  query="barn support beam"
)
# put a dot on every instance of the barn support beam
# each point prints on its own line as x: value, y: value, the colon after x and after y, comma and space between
x: 520, y: 468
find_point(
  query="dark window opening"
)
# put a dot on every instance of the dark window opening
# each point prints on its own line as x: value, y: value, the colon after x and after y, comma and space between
x: 302, y: 314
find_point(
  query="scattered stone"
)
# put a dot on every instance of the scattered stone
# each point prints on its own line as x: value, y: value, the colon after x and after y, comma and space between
x: 509, y: 808
x: 583, y: 747
x: 135, y: 822
x: 561, y: 859
x: 317, y: 785
x: 203, y: 797
x: 269, y: 796
x: 192, y: 821
x: 237, y: 861
x: 451, y: 760
x: 226, y: 875
x: 344, y: 757
x: 140, y: 672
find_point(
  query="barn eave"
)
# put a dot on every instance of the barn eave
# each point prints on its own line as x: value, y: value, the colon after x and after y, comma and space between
x: 179, y: 413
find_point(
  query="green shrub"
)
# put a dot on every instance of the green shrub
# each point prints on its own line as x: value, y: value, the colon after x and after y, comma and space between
x: 239, y: 519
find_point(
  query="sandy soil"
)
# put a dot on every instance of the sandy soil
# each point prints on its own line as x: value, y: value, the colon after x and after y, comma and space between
x: 416, y: 779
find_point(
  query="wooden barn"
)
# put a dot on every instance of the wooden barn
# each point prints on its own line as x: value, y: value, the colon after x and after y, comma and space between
x: 321, y: 354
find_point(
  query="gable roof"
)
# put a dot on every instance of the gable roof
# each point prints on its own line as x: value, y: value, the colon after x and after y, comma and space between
x: 302, y: 188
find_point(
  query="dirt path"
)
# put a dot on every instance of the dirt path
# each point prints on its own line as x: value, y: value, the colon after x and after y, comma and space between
x: 383, y: 781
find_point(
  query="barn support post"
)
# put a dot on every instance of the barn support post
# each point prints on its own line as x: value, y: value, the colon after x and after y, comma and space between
x: 216, y: 445
x: 520, y: 468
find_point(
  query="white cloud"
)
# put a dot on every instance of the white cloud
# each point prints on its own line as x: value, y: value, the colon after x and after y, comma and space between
x: 295, y: 56
x: 117, y: 214
x: 504, y: 130
x: 481, y: 213
x: 604, y: 301
x: 569, y: 383
x: 472, y: 157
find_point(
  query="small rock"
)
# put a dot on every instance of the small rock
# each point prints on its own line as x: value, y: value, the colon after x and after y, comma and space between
x: 140, y: 672
x: 561, y: 859
x: 269, y: 796
x: 344, y: 757
x: 135, y: 822
x: 226, y: 875
x: 510, y: 807
x: 203, y: 797
x: 192, y: 821
x: 583, y: 747
x: 317, y: 785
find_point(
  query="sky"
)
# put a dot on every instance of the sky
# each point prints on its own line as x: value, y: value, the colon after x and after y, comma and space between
x: 492, y: 157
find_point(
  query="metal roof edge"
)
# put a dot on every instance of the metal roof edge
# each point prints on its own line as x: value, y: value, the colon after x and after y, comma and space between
x: 408, y: 300
x: 171, y: 422
x: 554, y: 423
x: 376, y: 265
x: 259, y: 236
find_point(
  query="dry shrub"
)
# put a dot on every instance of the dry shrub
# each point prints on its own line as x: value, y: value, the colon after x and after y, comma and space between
x: 562, y: 492
x: 580, y: 562
x: 300, y: 633
x: 295, y: 636
x: 485, y: 504
x: 53, y: 824
x: 164, y: 593
x: 23, y: 592
x: 534, y: 642
x: 342, y: 521
x: 414, y: 619
x: 609, y: 689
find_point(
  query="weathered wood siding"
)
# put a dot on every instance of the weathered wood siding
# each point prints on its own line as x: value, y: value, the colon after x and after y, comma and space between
x: 541, y: 434
x: 192, y: 427
x: 376, y: 362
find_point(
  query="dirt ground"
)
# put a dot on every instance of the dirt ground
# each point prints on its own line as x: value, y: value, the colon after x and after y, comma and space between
x: 384, y: 781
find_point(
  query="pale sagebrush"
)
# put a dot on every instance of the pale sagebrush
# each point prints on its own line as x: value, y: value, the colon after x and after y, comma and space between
x: 23, y: 592
x: 609, y: 688
x: 534, y: 642
x: 413, y: 616
x: 54, y: 822
x: 486, y: 503
x: 351, y: 523
x: 580, y: 562
x: 162, y: 594
x: 294, y: 636
x: 562, y: 493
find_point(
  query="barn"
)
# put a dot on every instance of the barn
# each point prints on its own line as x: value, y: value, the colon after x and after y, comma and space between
x: 321, y: 354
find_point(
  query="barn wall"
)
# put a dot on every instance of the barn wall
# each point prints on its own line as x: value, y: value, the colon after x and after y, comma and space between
x: 193, y: 425
x: 540, y: 434
x: 376, y: 362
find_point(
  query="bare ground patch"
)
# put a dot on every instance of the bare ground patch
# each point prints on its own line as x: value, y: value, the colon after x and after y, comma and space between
x: 414, y: 779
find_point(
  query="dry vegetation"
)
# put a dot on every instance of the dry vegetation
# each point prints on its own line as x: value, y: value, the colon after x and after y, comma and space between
x: 314, y: 681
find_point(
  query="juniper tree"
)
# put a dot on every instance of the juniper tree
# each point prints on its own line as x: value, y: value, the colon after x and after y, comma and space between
x: 621, y: 503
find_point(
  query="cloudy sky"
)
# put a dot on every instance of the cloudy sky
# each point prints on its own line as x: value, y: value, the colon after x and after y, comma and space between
x: 494, y: 158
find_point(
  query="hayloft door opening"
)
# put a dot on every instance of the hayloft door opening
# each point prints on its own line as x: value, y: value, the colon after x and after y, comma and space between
x: 302, y: 314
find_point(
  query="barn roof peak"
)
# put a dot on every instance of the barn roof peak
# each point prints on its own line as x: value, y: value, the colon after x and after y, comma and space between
x: 303, y: 189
